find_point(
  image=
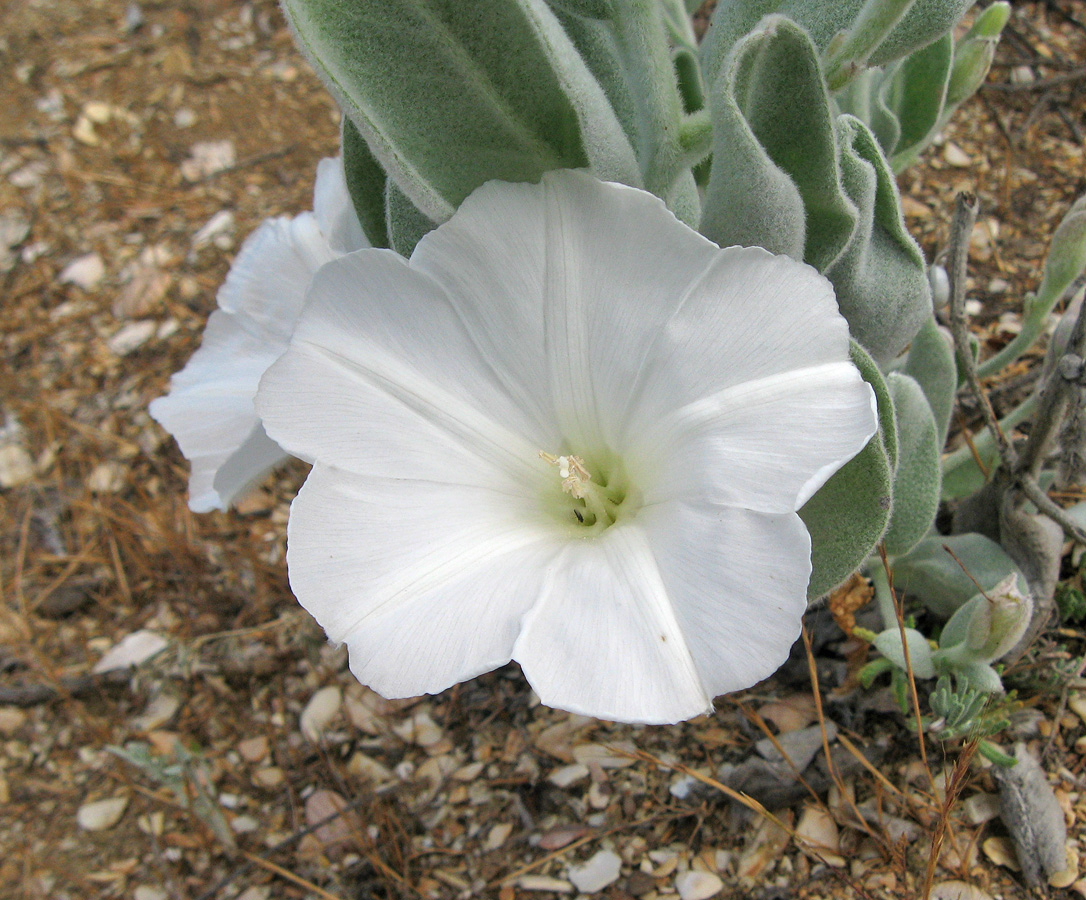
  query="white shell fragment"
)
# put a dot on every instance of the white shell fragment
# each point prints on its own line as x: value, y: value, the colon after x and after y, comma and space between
x: 598, y: 872
x: 131, y: 650
x: 86, y: 272
x: 694, y: 885
x: 100, y: 815
x: 319, y: 712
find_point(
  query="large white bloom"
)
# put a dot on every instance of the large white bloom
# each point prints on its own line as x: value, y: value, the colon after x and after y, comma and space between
x: 209, y: 409
x: 687, y: 400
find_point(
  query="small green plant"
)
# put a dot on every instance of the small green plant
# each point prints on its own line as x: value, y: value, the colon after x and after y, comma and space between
x: 187, y: 776
x: 1071, y: 603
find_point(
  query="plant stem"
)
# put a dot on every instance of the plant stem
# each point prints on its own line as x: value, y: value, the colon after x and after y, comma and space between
x: 846, y: 57
x: 965, y: 215
x: 1033, y: 326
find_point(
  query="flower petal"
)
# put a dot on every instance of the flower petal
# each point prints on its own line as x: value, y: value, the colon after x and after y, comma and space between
x: 334, y: 209
x: 749, y: 316
x: 209, y: 409
x: 382, y: 378
x: 210, y: 413
x: 604, y: 640
x: 266, y: 284
x: 738, y: 583
x: 425, y: 583
x: 562, y: 302
x: 765, y: 445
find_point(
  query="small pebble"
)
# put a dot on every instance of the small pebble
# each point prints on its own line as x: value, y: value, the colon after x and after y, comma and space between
x: 565, y: 776
x: 695, y: 885
x: 253, y: 749
x: 420, y: 729
x: 101, y: 815
x: 131, y: 337
x: 132, y: 650
x: 106, y: 478
x: 16, y: 466
x: 497, y: 836
x: 271, y: 777
x: 146, y: 892
x: 544, y: 883
x: 956, y: 156
x: 598, y: 872
x: 958, y: 890
x: 86, y: 272
x: 318, y: 714
x: 206, y: 158
x: 11, y: 720
x: 218, y: 226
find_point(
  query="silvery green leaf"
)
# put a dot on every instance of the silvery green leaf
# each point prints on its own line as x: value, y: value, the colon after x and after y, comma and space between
x: 1066, y: 254
x: 589, y: 9
x: 450, y: 95
x: 973, y: 54
x: 931, y: 363
x: 1065, y: 262
x: 597, y: 44
x: 865, y: 98
x: 888, y: 643
x: 366, y: 183
x: 750, y: 200
x: 880, y: 276
x: 688, y: 73
x: 924, y: 22
x: 980, y: 676
x: 406, y: 224
x: 775, y: 180
x: 916, y: 480
x: 917, y: 94
x: 1034, y: 817
x: 990, y: 624
x: 933, y: 576
x: 956, y: 632
x: 848, y: 516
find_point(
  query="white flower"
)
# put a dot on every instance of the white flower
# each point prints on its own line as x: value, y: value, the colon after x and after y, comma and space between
x: 209, y: 409
x: 570, y: 432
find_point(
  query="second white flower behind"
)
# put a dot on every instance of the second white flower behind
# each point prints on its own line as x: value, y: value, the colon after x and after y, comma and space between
x: 572, y: 432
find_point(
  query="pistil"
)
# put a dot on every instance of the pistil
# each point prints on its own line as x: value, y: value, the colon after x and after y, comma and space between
x: 600, y: 506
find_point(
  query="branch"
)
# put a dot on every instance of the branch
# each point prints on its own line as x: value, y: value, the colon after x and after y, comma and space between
x: 965, y: 215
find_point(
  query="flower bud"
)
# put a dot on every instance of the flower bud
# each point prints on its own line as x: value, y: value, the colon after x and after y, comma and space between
x: 988, y: 626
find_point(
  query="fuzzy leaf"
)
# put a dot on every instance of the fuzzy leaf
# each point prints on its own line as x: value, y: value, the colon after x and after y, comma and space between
x: 973, y: 55
x: 406, y: 224
x: 1034, y: 817
x: 366, y: 185
x: 917, y: 95
x: 888, y: 643
x: 930, y: 574
x: 925, y: 21
x: 980, y: 676
x: 865, y: 98
x: 931, y: 363
x: 1065, y: 262
x: 880, y: 277
x: 751, y: 200
x: 1066, y: 254
x: 589, y: 9
x: 848, y: 516
x: 503, y: 93
x: 916, y: 481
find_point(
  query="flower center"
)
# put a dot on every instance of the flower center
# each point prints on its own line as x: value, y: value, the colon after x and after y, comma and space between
x: 592, y: 504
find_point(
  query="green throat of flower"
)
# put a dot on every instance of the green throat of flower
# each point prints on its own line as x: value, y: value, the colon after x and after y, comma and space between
x: 591, y: 500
